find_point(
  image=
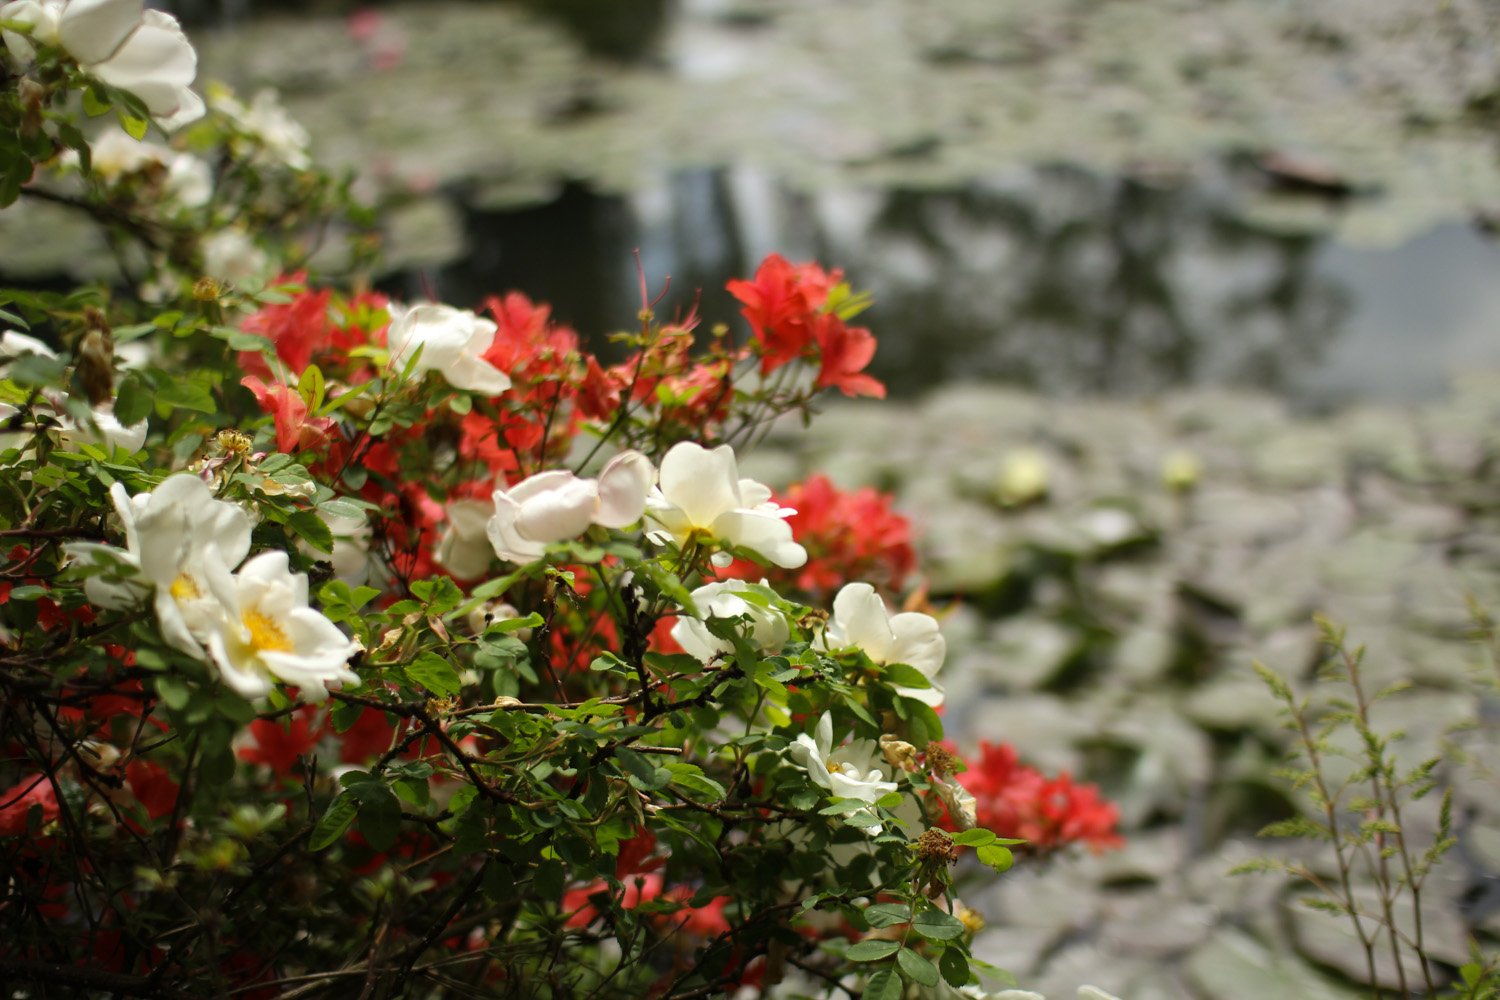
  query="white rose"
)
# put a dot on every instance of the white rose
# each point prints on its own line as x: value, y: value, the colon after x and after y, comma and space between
x: 451, y: 341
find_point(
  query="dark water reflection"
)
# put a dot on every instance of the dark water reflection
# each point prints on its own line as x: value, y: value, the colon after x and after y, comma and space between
x: 1057, y: 279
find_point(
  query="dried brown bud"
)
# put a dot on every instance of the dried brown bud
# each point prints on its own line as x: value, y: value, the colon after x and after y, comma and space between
x: 940, y: 760
x: 936, y: 845
x: 898, y: 753
x: 96, y: 359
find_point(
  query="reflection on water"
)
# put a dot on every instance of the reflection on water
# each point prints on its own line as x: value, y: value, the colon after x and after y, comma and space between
x: 1057, y: 279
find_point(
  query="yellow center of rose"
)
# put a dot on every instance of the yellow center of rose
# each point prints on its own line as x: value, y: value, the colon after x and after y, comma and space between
x: 832, y: 767
x: 185, y: 588
x: 265, y: 634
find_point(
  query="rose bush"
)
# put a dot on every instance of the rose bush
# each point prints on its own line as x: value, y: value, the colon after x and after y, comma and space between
x: 417, y: 651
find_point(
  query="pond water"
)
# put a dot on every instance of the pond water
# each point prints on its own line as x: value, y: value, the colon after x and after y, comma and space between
x: 1056, y: 279
x: 1264, y: 195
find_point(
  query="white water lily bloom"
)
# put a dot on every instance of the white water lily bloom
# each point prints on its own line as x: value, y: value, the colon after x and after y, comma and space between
x: 120, y: 43
x: 463, y: 548
x: 861, y: 621
x: 849, y: 771
x: 188, y: 540
x: 556, y: 505
x: 451, y: 341
x: 700, y: 493
x: 768, y: 630
x: 267, y: 632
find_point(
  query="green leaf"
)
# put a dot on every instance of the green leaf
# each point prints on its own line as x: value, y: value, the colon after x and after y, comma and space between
x: 187, y: 395
x: 887, y: 914
x: 173, y: 692
x: 549, y: 879
x: 134, y: 402
x: 435, y: 674
x: 973, y: 838
x: 310, y: 387
x: 311, y: 528
x: 341, y: 508
x: 936, y: 925
x: 636, y: 763
x: 883, y: 985
x: 94, y: 102
x: 916, y: 967
x: 379, y: 815
x: 133, y: 126
x: 954, y: 967
x: 334, y: 822
x: 905, y: 676
x: 996, y: 856
x: 872, y: 951
x: 532, y: 620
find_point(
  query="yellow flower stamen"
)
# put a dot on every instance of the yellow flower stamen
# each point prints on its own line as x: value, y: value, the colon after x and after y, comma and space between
x: 265, y: 634
x: 185, y: 588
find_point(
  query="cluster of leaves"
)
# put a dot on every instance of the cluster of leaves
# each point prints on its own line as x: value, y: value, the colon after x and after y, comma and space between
x: 1348, y: 770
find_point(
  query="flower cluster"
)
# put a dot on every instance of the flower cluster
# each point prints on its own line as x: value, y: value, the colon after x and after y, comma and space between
x: 798, y: 311
x: 254, y: 626
x: 117, y: 42
x: 1016, y: 800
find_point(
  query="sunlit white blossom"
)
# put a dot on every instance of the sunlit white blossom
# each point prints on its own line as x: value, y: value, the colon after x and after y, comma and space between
x: 860, y: 621
x: 700, y: 494
x: 120, y: 43
x: 848, y: 772
x: 265, y: 631
x: 451, y: 341
x: 556, y: 505
x: 768, y: 630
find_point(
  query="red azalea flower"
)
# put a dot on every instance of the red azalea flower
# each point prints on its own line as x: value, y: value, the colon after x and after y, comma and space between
x: 297, y: 328
x: 1015, y: 800
x: 152, y: 787
x: 278, y: 743
x: 294, y: 429
x: 782, y: 306
x: 16, y: 802
x: 845, y: 351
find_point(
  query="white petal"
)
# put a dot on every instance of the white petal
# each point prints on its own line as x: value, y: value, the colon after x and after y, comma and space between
x: 507, y: 542
x: 476, y: 375
x: 823, y: 734
x: 702, y: 483
x: 860, y: 619
x: 623, y: 487
x: 765, y: 534
x: 91, y: 30
x: 917, y: 642
x: 559, y: 514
